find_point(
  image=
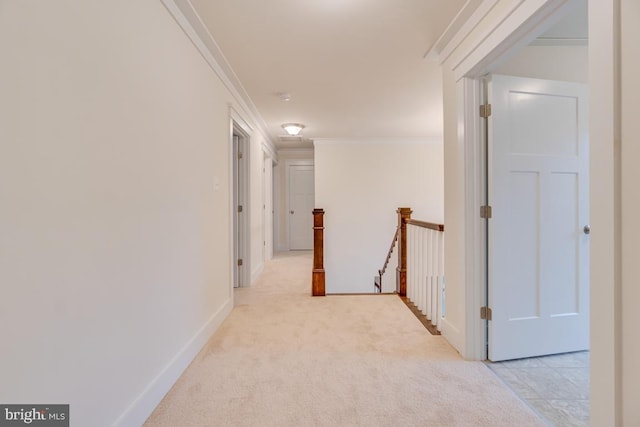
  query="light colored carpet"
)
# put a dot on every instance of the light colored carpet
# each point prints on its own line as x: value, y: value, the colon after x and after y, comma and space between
x: 284, y: 358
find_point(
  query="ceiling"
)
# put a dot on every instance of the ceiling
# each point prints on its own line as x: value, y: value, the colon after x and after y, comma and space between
x: 352, y: 68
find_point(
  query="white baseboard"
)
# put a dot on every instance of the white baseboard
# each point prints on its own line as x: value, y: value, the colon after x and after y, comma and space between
x: 141, y: 408
x: 257, y: 272
x: 453, y: 335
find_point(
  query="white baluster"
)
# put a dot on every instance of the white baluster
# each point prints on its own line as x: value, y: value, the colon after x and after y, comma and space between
x: 440, y: 278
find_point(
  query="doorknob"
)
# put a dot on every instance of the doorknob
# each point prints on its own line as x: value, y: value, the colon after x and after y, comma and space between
x: 587, y: 229
x: 291, y: 212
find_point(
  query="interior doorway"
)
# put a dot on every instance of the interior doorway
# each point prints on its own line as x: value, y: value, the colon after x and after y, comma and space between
x: 537, y: 50
x: 524, y: 53
x: 300, y: 204
x: 240, y: 206
x: 267, y: 206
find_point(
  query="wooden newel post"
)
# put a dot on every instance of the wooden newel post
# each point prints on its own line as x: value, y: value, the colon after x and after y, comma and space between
x: 404, y: 215
x: 317, y: 285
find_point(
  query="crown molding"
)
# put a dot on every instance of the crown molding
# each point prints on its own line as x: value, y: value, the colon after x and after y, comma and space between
x: 377, y: 140
x: 188, y: 19
x: 460, y: 26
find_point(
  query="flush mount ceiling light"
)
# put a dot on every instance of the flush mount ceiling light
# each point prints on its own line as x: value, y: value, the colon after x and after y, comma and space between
x: 293, y: 129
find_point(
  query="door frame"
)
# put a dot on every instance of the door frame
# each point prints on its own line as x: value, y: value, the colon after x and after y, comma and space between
x: 287, y: 165
x: 267, y: 205
x: 518, y: 29
x: 239, y: 126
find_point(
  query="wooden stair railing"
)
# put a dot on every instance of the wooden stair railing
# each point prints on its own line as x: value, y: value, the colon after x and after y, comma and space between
x: 425, y: 276
x: 424, y: 224
x: 404, y: 215
x: 377, y: 283
x: 421, y: 288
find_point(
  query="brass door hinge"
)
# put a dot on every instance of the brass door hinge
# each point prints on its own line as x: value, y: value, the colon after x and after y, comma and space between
x: 239, y: 262
x: 486, y: 212
x: 485, y: 313
x: 485, y: 111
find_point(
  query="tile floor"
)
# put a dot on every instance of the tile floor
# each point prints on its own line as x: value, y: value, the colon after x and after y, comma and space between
x: 557, y: 387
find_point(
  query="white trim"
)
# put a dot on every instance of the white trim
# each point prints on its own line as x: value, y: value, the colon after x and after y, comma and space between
x: 297, y: 151
x: 377, y: 140
x: 517, y: 25
x: 257, y: 272
x: 469, y: 95
x: 268, y: 208
x: 150, y: 397
x: 452, y: 334
x: 560, y: 41
x: 240, y: 121
x: 517, y: 30
x: 188, y: 19
x: 465, y: 21
x: 270, y: 152
x: 242, y: 129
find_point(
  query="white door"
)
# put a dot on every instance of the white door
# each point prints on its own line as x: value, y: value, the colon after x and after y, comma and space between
x: 538, y: 188
x: 301, y: 204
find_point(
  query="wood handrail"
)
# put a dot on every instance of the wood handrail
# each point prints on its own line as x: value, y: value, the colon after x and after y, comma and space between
x: 400, y: 236
x: 424, y: 224
x: 393, y: 245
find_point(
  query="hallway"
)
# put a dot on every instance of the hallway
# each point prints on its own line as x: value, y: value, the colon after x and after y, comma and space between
x: 283, y: 358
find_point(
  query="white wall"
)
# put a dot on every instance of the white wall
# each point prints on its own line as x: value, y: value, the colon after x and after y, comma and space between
x: 114, y: 205
x: 630, y: 206
x: 565, y: 63
x: 360, y: 184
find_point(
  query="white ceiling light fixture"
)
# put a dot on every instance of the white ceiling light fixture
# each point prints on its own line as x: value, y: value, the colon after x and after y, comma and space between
x: 293, y: 129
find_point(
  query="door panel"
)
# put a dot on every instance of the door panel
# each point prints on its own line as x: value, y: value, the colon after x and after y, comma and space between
x: 301, y: 204
x: 524, y: 301
x: 538, y: 188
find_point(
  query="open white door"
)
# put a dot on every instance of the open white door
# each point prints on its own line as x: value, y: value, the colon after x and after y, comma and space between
x: 538, y: 188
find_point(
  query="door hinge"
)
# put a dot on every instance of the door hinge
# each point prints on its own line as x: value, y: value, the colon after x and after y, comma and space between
x: 240, y: 262
x: 239, y: 155
x: 485, y: 313
x: 486, y: 212
x: 485, y: 110
x: 239, y: 208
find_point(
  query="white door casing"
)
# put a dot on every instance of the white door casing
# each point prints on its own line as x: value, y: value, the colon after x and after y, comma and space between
x: 238, y: 200
x: 267, y: 179
x: 538, y: 188
x: 301, y: 204
x: 240, y: 207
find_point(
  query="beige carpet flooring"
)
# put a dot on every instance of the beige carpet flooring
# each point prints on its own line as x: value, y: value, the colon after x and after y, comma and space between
x: 284, y: 358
